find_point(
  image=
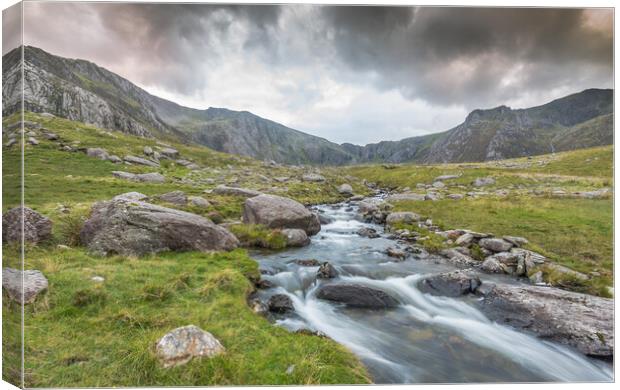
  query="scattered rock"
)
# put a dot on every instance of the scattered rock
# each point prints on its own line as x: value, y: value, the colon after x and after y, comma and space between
x: 170, y: 153
x: 295, y: 237
x: 148, y: 151
x: 198, y: 201
x: 345, y: 189
x: 97, y: 279
x: 141, y: 161
x: 368, y: 232
x: 51, y: 136
x: 280, y: 303
x: 405, y: 197
x: 483, y: 181
x: 516, y: 241
x: 183, y: 344
x: 451, y: 284
x: 465, y: 239
x: 582, y: 321
x: 36, y: 227
x: 495, y: 244
x: 115, y: 159
x: 432, y: 196
x: 455, y: 196
x: 99, y: 153
x: 356, y: 295
x: 313, y: 177
x: 439, y: 184
x: 152, y: 177
x: 33, y: 141
x: 326, y: 271
x: 131, y: 196
x: 279, y: 212
x: 137, y: 228
x: 235, y: 191
x: 492, y: 265
x: 24, y: 286
x: 175, y: 197
x: 396, y: 253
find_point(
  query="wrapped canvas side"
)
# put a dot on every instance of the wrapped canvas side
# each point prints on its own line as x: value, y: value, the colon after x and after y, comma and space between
x: 13, y: 137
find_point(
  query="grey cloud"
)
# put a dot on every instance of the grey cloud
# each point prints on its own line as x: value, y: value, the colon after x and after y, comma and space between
x: 11, y: 28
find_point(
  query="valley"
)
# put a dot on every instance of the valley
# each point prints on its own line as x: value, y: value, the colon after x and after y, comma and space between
x: 98, y: 321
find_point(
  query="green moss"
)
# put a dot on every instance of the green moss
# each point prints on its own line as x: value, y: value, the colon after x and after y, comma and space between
x: 259, y: 236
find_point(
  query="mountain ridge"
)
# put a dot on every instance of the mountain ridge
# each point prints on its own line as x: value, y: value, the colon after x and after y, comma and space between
x: 81, y: 90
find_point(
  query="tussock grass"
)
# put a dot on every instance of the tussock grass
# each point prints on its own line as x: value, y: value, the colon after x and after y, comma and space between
x: 258, y: 236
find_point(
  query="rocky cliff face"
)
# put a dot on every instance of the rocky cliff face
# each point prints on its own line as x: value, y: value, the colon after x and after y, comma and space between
x: 82, y: 91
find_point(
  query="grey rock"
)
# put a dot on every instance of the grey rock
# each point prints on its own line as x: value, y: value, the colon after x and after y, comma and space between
x: 483, y: 181
x: 131, y: 196
x: 124, y: 175
x: 516, y: 241
x: 23, y: 286
x: 175, y: 197
x: 141, y: 161
x: 295, y: 237
x: 326, y: 271
x: 495, y: 244
x: 356, y: 295
x: 277, y: 212
x: 148, y: 151
x: 582, y: 321
x: 465, y: 239
x: 280, y: 303
x: 51, y: 136
x: 432, y: 196
x: 451, y: 284
x: 198, y: 201
x: 235, y: 191
x: 455, y: 196
x: 99, y: 153
x: 115, y: 159
x: 368, y: 233
x: 396, y: 253
x: 492, y: 265
x: 439, y: 184
x: 36, y: 227
x: 152, y: 177
x: 10, y: 143
x: 170, y: 153
x: 345, y: 189
x: 185, y: 343
x: 33, y: 141
x: 402, y: 217
x: 405, y: 197
x: 313, y: 177
x: 135, y: 228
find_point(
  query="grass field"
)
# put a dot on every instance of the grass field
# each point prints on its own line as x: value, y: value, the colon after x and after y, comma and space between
x: 574, y: 232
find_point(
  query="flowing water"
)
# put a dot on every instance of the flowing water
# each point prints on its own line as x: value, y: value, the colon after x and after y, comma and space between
x: 426, y: 339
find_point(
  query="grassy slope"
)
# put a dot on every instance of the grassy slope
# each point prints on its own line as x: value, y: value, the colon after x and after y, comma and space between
x: 577, y: 233
x: 84, y: 334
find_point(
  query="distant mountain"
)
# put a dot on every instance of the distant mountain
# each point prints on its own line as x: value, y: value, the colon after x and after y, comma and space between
x: 80, y: 90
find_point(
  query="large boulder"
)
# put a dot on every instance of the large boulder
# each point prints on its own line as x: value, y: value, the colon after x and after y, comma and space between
x: 37, y: 227
x: 356, y: 295
x: 23, y: 286
x: 451, y: 284
x: 234, y: 191
x: 136, y: 228
x: 183, y: 344
x: 582, y: 321
x: 99, y: 153
x: 279, y: 212
x: 313, y: 177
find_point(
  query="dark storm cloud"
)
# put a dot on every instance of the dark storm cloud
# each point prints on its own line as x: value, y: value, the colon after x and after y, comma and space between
x: 312, y: 67
x: 447, y: 55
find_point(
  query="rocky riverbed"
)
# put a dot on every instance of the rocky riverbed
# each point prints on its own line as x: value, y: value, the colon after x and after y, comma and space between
x: 416, y: 317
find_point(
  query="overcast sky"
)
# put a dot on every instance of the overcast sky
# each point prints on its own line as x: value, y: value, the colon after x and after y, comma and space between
x: 349, y: 74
